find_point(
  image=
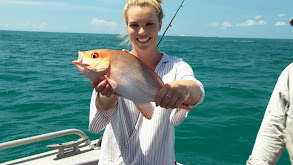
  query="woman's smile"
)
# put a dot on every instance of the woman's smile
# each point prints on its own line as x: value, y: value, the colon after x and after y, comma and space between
x: 144, y: 39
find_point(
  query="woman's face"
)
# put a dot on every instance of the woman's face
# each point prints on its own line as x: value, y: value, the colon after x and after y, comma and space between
x: 143, y: 27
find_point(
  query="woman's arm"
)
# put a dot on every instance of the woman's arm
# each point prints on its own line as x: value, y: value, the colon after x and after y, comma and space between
x: 185, y: 88
x: 103, y: 106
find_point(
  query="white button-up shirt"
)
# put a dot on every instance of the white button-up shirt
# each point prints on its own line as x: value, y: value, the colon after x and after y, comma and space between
x: 131, y: 139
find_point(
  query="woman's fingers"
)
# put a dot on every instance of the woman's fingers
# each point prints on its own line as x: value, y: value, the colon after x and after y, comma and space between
x: 171, y: 95
x: 94, y: 83
x: 178, y: 102
x: 160, y: 97
x: 166, y: 97
x: 103, y: 87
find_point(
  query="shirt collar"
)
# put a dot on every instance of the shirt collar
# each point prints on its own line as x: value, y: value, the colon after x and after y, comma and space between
x: 165, y: 58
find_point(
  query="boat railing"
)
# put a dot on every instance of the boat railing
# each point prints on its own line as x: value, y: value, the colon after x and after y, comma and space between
x: 60, y: 147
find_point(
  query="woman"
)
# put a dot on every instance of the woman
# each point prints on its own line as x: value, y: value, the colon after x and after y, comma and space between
x: 129, y: 138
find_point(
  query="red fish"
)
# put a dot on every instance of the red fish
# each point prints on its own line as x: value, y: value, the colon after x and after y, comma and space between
x: 128, y: 76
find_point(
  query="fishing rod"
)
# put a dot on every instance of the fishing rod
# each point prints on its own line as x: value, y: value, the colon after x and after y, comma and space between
x: 181, y: 5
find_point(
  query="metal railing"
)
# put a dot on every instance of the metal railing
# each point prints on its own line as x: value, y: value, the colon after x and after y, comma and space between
x: 43, y: 137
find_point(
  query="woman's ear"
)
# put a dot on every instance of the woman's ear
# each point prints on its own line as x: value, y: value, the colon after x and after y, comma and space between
x: 160, y: 25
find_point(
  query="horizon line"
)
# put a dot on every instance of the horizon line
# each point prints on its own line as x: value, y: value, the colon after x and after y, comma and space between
x: 181, y: 35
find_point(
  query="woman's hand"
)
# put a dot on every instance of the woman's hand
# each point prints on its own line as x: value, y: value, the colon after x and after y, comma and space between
x: 103, y: 87
x: 173, y: 94
x: 106, y: 98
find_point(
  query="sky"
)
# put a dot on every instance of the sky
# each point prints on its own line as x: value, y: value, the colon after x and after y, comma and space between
x: 199, y: 18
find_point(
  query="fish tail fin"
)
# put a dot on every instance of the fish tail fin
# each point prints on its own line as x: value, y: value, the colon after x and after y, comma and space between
x: 147, y: 109
x: 186, y: 107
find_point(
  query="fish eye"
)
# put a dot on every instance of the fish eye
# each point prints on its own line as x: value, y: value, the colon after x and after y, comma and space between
x: 94, y: 55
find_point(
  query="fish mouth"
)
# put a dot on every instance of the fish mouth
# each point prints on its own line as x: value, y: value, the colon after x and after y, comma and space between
x: 82, y: 62
x: 79, y: 61
x: 80, y: 57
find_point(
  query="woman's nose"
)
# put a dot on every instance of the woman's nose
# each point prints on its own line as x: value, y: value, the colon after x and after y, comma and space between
x: 141, y: 30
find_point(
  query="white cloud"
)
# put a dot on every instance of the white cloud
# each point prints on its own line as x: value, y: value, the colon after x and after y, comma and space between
x: 247, y: 23
x: 42, y: 25
x: 226, y: 25
x: 100, y: 22
x: 280, y: 23
x: 26, y: 26
x: 103, y: 26
x: 258, y: 17
x: 34, y: 3
x: 214, y: 24
x: 282, y: 15
x: 251, y: 22
x: 223, y: 25
x: 261, y: 22
x: 55, y: 4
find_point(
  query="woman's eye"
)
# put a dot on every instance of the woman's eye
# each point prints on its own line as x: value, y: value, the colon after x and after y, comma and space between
x: 94, y: 55
x: 133, y: 25
x: 150, y: 24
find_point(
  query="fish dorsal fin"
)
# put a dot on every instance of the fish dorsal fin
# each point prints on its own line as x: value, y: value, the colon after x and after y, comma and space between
x: 147, y: 109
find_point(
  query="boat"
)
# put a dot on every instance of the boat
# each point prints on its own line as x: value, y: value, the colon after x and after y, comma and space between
x: 78, y: 152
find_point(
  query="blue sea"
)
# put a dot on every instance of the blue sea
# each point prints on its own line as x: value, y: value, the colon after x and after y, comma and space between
x: 41, y: 91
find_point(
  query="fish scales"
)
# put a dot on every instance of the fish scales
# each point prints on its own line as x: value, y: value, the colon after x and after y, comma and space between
x: 128, y: 76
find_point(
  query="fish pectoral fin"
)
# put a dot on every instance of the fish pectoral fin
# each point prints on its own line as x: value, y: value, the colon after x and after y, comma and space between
x: 147, y: 109
x: 186, y: 107
x: 111, y: 82
x: 102, y: 66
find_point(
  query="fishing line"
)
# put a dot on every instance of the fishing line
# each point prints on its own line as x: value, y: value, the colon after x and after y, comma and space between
x: 181, y: 5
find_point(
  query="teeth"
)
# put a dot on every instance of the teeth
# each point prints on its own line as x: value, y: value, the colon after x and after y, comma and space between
x: 81, y: 57
x: 143, y: 40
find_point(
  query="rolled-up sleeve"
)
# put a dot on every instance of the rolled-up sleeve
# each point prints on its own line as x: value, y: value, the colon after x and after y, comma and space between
x: 99, y: 119
x: 185, y: 72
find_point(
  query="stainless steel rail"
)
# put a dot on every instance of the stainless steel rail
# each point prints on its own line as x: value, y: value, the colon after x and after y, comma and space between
x: 43, y: 137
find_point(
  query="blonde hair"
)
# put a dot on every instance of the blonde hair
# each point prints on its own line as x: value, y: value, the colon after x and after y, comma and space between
x: 153, y: 3
x: 156, y: 4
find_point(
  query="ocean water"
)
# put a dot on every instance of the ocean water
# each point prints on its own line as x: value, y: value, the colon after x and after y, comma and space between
x: 42, y: 92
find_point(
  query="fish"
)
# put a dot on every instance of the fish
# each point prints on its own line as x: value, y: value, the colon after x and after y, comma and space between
x: 128, y: 76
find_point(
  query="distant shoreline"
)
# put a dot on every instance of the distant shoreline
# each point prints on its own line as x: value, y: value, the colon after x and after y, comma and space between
x: 185, y: 35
